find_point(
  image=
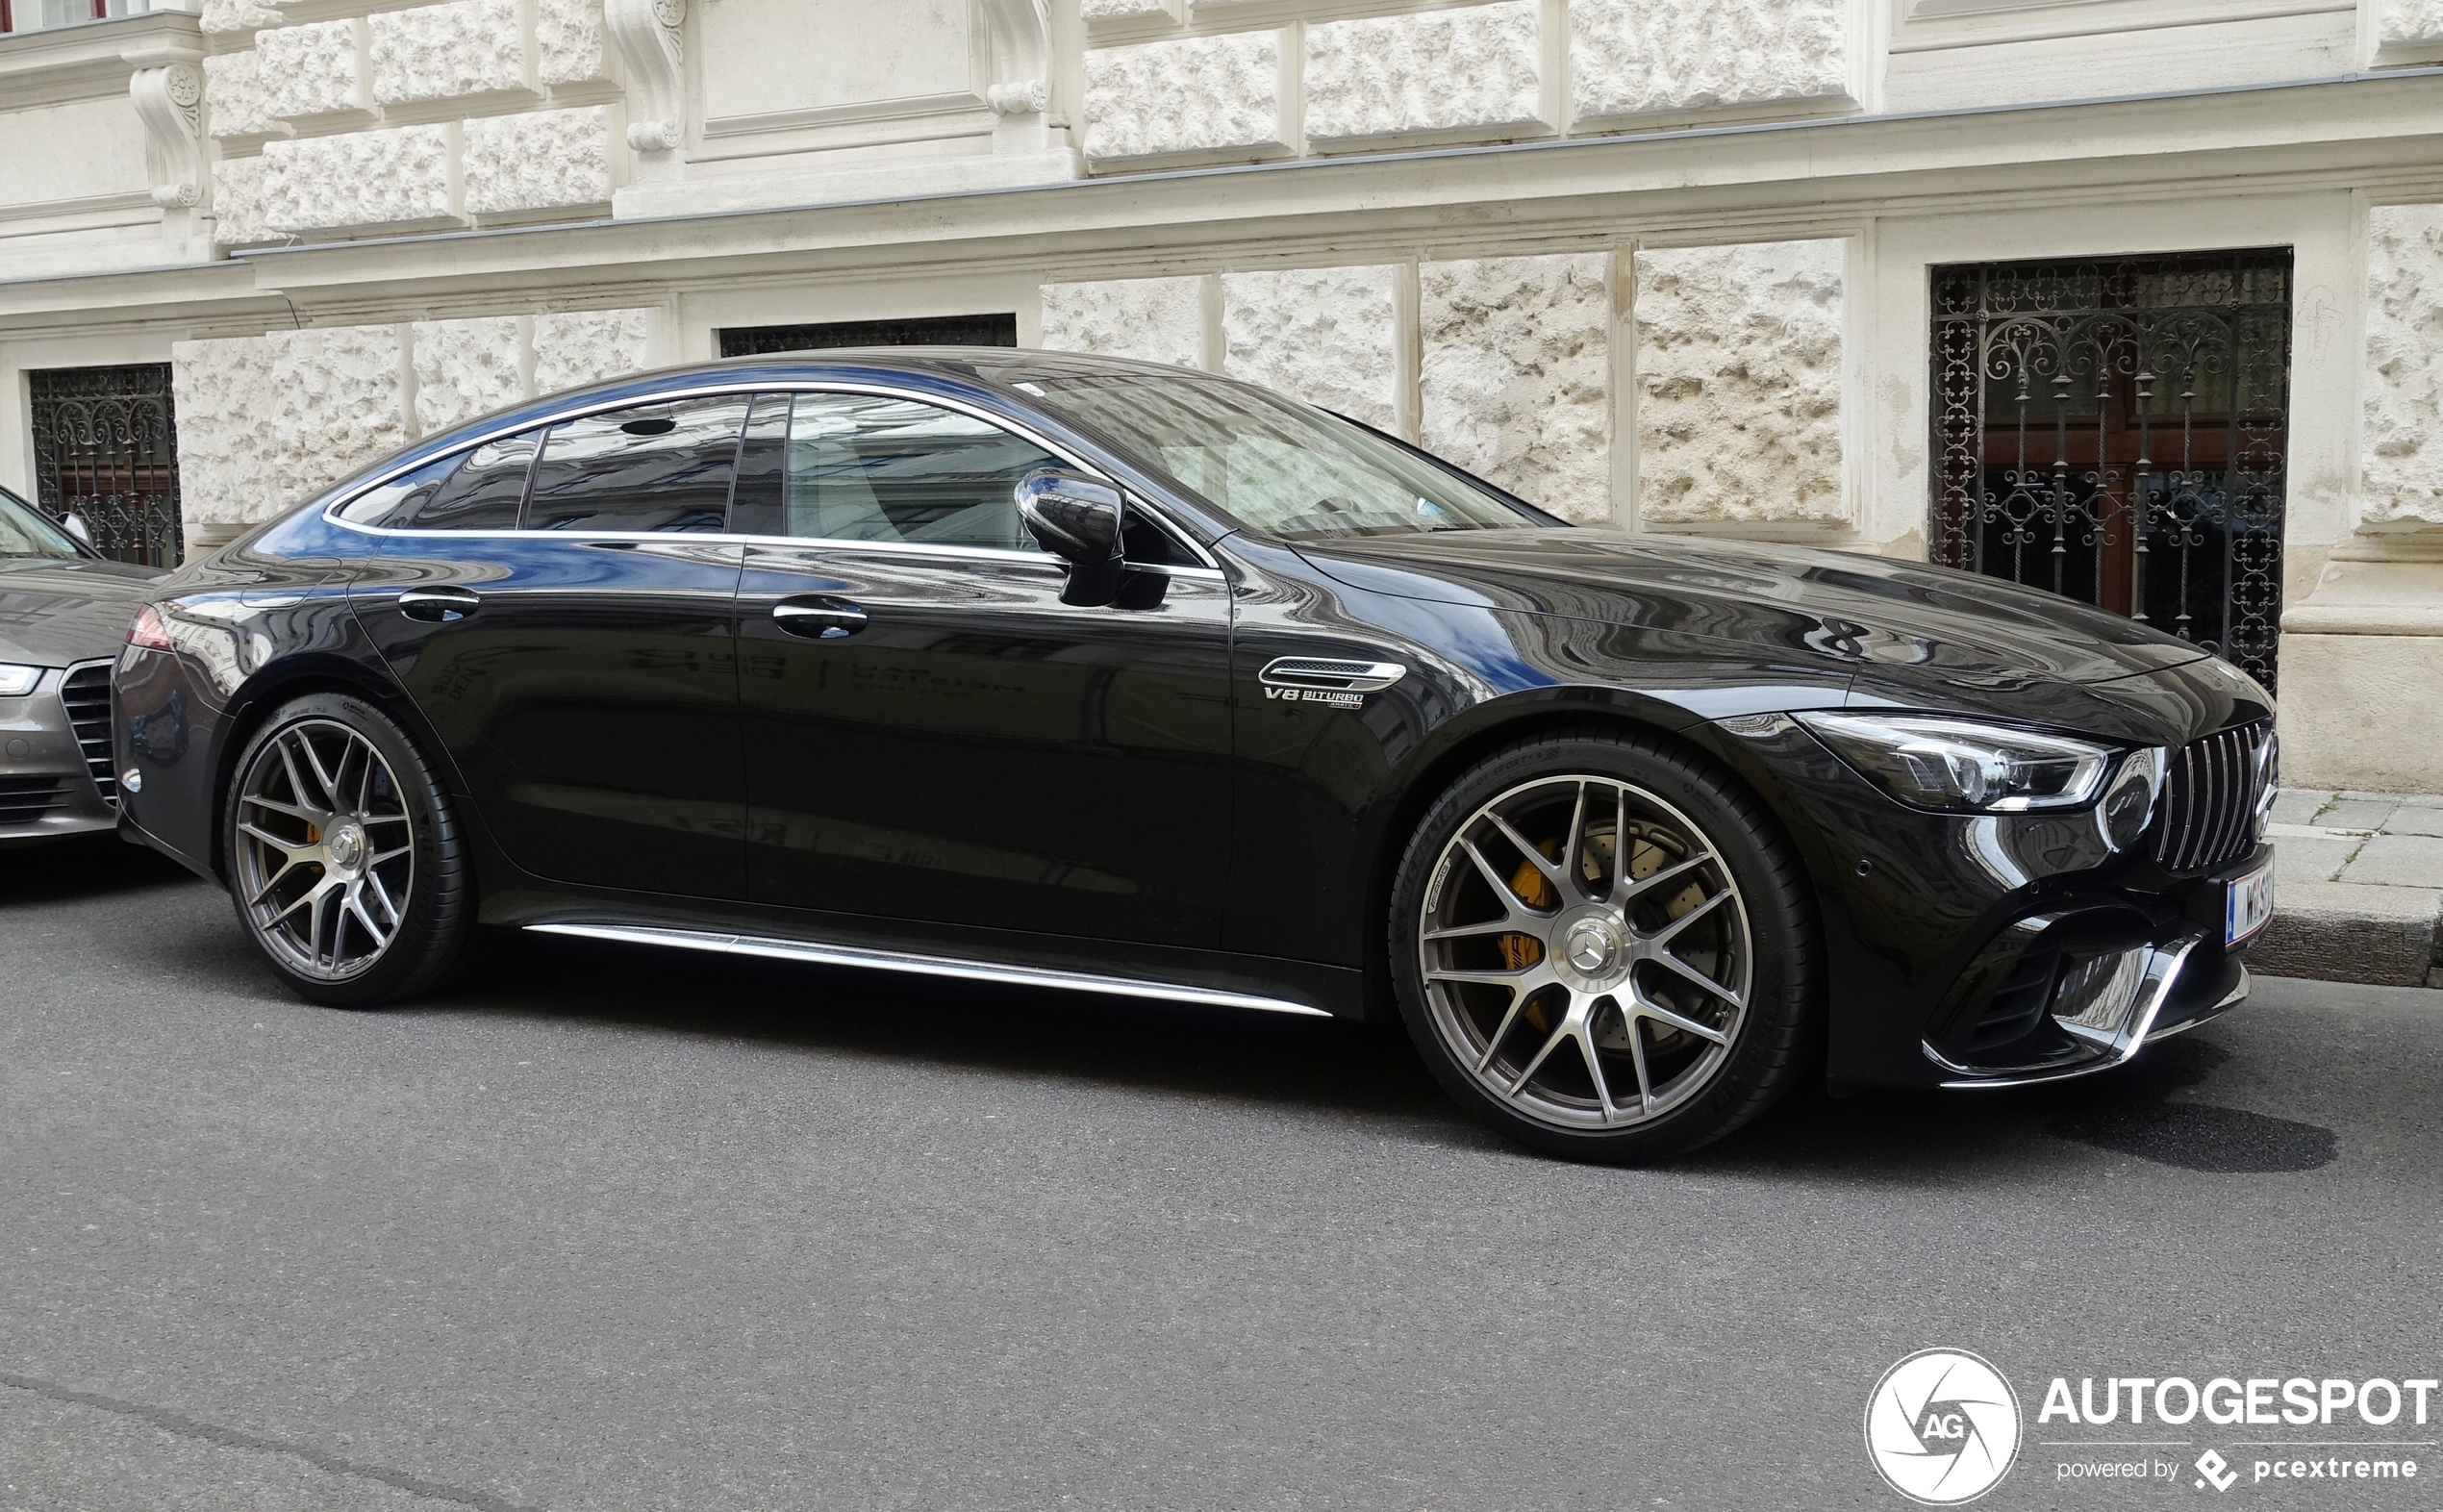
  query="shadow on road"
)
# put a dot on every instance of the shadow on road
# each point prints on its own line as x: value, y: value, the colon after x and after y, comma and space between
x: 92, y: 867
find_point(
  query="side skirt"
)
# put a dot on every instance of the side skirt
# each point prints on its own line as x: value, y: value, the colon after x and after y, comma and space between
x: 721, y: 944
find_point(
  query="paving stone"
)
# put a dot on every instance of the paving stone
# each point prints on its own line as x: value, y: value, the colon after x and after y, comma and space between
x: 2309, y: 859
x: 2407, y: 820
x: 2411, y: 860
x: 2346, y: 932
x: 2299, y: 805
x: 2358, y: 813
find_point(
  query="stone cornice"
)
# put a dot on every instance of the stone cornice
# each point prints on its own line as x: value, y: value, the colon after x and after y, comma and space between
x: 93, y: 60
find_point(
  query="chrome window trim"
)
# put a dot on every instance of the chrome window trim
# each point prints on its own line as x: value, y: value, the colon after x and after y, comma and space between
x: 331, y: 510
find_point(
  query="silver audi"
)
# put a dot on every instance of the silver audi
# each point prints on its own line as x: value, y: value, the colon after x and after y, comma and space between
x: 63, y: 614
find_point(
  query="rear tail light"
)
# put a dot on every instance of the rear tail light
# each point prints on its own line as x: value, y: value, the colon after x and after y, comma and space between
x: 148, y: 631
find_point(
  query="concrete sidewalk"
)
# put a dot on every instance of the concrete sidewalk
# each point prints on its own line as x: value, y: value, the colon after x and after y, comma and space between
x: 2358, y: 888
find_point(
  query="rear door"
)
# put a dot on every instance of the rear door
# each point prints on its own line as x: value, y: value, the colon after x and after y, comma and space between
x: 931, y: 734
x: 559, y: 606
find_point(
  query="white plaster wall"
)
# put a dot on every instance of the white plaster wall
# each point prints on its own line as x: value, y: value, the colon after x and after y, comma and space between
x: 1441, y: 71
x: 404, y: 173
x: 222, y: 390
x: 466, y: 368
x: 1328, y: 336
x: 1193, y: 94
x: 1516, y: 380
x: 438, y: 52
x: 313, y: 69
x: 568, y: 42
x: 1155, y: 320
x: 583, y: 347
x: 1740, y: 373
x: 2401, y: 424
x: 237, y: 202
x: 1632, y: 56
x: 235, y: 103
x: 338, y: 399
x: 540, y: 160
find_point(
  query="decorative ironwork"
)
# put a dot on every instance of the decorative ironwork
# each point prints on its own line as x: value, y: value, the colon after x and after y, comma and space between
x: 2115, y: 430
x: 106, y: 449
x: 983, y: 330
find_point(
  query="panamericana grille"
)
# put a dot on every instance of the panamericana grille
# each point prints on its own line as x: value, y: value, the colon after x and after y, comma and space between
x: 85, y: 691
x: 2209, y: 798
x: 25, y: 799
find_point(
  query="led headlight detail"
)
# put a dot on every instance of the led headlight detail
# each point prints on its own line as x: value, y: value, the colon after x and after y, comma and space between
x: 1961, y: 766
x: 15, y: 682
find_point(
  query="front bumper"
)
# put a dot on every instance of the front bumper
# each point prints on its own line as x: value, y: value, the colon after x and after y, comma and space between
x: 47, y: 790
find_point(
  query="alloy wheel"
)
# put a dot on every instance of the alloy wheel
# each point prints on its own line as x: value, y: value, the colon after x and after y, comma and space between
x: 1585, y: 952
x: 324, y: 849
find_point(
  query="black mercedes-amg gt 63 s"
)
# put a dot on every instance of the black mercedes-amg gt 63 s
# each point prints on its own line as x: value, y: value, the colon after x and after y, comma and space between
x: 1113, y: 677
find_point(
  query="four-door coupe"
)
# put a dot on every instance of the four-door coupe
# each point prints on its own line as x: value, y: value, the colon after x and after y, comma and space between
x: 1120, y: 678
x: 63, y: 614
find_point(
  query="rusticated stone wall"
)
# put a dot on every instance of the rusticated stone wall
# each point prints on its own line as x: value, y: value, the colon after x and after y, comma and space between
x: 267, y: 420
x: 1480, y: 68
x: 1739, y: 385
x: 400, y: 175
x: 440, y: 52
x: 2409, y: 23
x: 1196, y: 94
x: 1329, y: 336
x: 1155, y: 320
x: 1516, y: 379
x: 547, y: 160
x: 2402, y: 396
x: 1636, y: 57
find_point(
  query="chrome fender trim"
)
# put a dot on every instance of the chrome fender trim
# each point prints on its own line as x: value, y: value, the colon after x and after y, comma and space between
x: 923, y: 965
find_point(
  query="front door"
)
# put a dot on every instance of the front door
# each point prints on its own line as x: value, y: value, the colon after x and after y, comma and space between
x: 570, y: 642
x: 931, y: 734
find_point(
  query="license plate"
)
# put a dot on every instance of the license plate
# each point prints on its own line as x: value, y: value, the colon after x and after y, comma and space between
x: 2248, y: 906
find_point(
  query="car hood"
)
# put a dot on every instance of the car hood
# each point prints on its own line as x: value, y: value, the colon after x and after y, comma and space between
x: 56, y: 613
x: 1911, y: 634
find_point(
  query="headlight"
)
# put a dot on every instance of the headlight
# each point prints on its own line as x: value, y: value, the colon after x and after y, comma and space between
x: 1960, y: 766
x: 15, y: 682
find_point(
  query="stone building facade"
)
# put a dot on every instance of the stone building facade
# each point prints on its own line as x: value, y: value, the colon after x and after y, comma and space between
x: 2142, y: 300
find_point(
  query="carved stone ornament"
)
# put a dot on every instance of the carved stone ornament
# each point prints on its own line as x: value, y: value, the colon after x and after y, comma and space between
x: 169, y: 101
x: 1019, y: 97
x: 649, y: 35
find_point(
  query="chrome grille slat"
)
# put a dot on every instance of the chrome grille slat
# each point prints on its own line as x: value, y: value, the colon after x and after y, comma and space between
x: 84, y: 692
x: 25, y: 799
x: 2209, y: 809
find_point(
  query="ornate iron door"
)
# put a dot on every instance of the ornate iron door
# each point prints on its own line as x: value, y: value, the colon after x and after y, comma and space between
x: 106, y: 449
x: 2115, y: 430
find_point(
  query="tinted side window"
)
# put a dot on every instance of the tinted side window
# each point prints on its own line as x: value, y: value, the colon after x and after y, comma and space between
x: 478, y: 490
x: 871, y: 468
x: 653, y: 466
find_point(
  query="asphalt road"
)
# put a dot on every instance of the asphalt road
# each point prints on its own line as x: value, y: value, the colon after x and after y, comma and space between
x: 625, y: 1230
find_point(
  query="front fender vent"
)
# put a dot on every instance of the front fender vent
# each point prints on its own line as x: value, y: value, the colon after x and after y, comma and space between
x: 1309, y: 671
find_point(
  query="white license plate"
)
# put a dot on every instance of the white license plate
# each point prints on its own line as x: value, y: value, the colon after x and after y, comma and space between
x: 2248, y: 905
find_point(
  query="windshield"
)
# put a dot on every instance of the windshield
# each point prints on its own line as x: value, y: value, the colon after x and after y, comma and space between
x: 23, y: 533
x: 1272, y: 464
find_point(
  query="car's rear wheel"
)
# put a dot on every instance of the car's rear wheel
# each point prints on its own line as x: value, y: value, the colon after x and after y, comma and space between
x: 1604, y: 944
x: 347, y: 868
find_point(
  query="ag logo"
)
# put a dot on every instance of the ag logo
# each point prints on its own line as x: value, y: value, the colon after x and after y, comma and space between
x: 1943, y: 1427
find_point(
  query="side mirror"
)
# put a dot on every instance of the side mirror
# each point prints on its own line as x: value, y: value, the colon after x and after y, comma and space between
x: 1078, y: 521
x: 76, y: 527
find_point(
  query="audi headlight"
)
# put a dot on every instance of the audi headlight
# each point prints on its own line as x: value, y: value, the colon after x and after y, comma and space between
x: 1965, y: 767
x: 15, y: 682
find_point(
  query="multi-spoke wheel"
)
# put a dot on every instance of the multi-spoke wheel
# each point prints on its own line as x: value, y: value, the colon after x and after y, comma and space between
x: 340, y: 856
x: 1605, y: 942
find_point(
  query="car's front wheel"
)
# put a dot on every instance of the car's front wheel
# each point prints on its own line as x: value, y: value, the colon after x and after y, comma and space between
x: 348, y: 870
x: 1603, y: 945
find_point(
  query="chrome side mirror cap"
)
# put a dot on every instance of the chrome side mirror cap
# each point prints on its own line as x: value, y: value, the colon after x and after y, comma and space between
x: 1078, y: 521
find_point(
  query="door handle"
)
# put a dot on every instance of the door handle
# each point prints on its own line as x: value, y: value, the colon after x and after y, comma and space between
x: 439, y: 604
x: 818, y: 618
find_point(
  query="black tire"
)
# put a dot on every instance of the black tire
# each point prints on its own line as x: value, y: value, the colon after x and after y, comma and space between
x: 1772, y: 1044
x: 434, y: 933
